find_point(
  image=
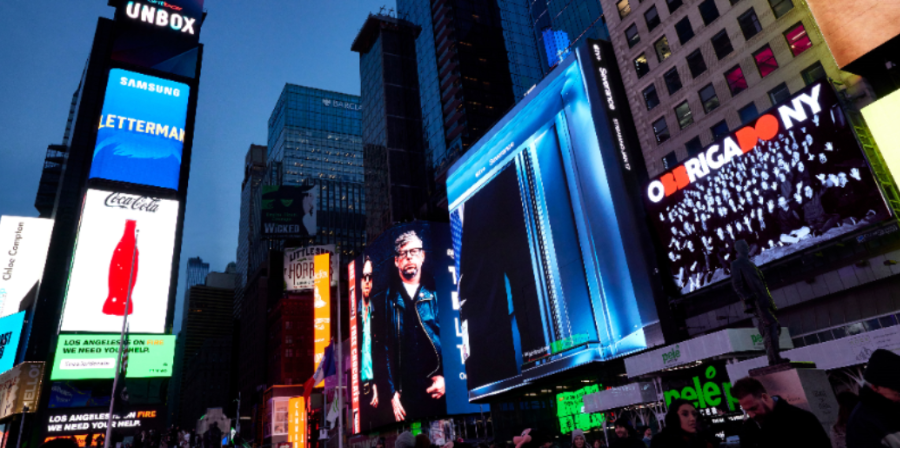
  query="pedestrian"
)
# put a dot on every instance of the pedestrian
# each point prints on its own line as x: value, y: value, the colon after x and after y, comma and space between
x: 847, y: 401
x: 599, y: 443
x: 875, y: 422
x: 578, y: 440
x: 405, y: 440
x: 683, y: 428
x: 626, y: 436
x: 422, y: 441
x: 774, y: 422
x: 647, y: 434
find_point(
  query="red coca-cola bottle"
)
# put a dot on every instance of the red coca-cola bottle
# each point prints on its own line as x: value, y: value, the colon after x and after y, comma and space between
x: 120, y: 272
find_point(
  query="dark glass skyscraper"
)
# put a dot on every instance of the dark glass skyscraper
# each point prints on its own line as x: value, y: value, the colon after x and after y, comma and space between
x: 575, y: 20
x: 395, y: 173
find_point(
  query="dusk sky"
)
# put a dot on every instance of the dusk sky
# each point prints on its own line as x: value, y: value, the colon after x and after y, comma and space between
x: 252, y: 50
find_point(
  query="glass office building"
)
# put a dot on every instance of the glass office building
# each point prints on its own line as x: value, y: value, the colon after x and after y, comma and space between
x: 315, y: 139
x: 578, y: 19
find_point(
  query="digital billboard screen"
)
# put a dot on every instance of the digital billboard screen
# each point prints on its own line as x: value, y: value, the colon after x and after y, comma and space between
x: 321, y: 308
x: 141, y: 134
x: 24, y: 242
x: 553, y: 265
x: 160, y: 35
x: 792, y: 179
x: 406, y: 358
x: 93, y: 356
x: 289, y: 211
x: 117, y: 229
x: 10, y: 333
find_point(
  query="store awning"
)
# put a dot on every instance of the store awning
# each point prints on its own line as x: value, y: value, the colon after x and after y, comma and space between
x: 621, y: 397
x: 843, y: 352
x: 721, y: 343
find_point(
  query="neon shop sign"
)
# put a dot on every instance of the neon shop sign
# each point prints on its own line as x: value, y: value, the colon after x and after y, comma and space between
x: 159, y: 16
x: 705, y: 392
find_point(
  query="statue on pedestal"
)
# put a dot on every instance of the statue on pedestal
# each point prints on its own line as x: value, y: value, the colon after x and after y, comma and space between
x: 750, y: 285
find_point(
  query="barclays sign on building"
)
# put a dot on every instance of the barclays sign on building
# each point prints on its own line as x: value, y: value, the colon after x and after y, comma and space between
x: 339, y: 104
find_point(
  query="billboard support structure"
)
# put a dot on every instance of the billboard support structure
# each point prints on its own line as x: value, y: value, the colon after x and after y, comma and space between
x: 112, y: 399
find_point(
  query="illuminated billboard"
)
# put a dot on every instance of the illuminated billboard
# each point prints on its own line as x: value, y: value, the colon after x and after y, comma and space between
x: 321, y: 308
x: 89, y: 424
x: 10, y: 332
x: 20, y: 388
x: 93, y: 356
x: 791, y: 180
x: 125, y: 243
x: 289, y: 211
x: 299, y: 273
x: 161, y: 35
x: 881, y: 120
x: 405, y: 352
x: 142, y: 130
x: 853, y: 28
x: 297, y: 422
x: 554, y: 264
x: 24, y: 242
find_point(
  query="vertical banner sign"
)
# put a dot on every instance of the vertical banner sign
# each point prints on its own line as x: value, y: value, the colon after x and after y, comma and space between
x: 297, y: 422
x: 354, y: 353
x: 321, y: 307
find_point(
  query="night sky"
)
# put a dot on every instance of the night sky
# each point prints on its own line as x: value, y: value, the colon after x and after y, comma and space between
x: 252, y: 49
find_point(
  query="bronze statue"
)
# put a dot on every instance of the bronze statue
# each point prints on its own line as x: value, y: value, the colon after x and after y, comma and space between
x: 749, y: 284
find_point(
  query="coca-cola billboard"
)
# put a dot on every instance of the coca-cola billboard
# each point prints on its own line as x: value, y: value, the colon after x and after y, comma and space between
x: 125, y: 244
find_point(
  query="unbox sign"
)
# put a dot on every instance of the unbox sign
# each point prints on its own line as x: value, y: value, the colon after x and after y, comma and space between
x: 93, y: 356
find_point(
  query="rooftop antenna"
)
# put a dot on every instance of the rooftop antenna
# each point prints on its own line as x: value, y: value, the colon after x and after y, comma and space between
x: 381, y: 11
x: 391, y: 12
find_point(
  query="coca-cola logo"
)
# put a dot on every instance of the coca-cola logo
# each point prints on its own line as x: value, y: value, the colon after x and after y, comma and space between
x: 133, y: 202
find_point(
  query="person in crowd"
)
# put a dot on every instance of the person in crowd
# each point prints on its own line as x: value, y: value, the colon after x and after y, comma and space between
x: 875, y: 422
x: 599, y: 443
x: 626, y: 436
x: 647, y: 434
x: 774, y: 422
x: 422, y: 441
x: 578, y: 440
x: 683, y: 428
x: 814, y: 213
x: 847, y: 401
x: 405, y: 440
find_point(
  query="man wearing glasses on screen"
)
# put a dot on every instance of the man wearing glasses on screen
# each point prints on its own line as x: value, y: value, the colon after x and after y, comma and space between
x: 413, y: 339
x: 366, y: 314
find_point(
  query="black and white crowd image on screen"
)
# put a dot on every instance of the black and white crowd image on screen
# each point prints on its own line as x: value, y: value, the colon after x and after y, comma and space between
x: 805, y: 186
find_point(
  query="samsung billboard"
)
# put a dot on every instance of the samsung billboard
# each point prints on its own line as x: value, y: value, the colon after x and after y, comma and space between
x: 792, y: 179
x: 553, y: 262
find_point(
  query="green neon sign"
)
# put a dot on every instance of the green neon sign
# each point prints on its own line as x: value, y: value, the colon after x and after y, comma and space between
x: 705, y: 391
x: 570, y: 410
x: 93, y: 356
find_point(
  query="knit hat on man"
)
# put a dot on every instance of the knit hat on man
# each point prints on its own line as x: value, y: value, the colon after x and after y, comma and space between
x: 884, y: 369
x: 405, y: 440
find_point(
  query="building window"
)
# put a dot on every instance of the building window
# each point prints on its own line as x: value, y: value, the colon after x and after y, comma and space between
x: 797, y: 39
x: 720, y: 129
x: 748, y: 113
x: 694, y: 146
x: 661, y: 130
x: 632, y: 36
x: 674, y: 4
x: 708, y: 11
x: 721, y: 44
x: 624, y: 8
x: 781, y: 7
x: 779, y: 94
x: 673, y: 81
x: 813, y: 73
x: 736, y: 81
x: 641, y: 66
x: 684, y: 30
x: 709, y: 98
x: 765, y: 61
x: 696, y: 63
x: 670, y: 161
x: 650, y: 97
x: 652, y: 18
x: 749, y: 24
x: 663, y: 51
x: 683, y: 114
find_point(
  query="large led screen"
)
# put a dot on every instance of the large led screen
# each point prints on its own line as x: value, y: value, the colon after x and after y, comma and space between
x: 794, y: 178
x: 93, y: 356
x: 125, y: 243
x: 141, y: 132
x: 10, y: 333
x: 406, y: 348
x: 549, y: 250
x: 24, y: 242
x: 161, y: 35
x: 289, y: 211
x: 881, y: 119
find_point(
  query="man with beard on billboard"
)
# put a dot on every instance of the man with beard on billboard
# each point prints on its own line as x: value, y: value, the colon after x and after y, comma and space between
x: 412, y: 337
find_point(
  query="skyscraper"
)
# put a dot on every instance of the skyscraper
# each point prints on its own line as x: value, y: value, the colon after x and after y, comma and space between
x: 394, y: 155
x: 560, y: 26
x: 197, y: 270
x: 475, y: 60
x: 315, y: 139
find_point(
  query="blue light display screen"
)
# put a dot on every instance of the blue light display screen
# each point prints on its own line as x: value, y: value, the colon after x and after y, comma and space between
x: 10, y: 332
x: 551, y: 275
x: 142, y: 130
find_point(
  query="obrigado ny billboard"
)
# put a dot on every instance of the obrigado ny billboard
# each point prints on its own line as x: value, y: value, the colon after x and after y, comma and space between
x: 552, y: 260
x: 794, y: 178
x: 142, y: 130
